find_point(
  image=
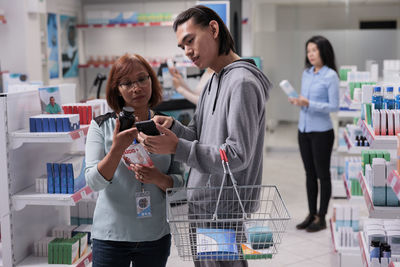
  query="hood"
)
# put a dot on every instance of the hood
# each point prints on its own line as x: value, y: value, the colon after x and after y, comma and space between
x: 248, y: 64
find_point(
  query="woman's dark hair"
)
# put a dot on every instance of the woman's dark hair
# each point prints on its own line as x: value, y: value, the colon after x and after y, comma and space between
x: 325, y: 52
x: 120, y: 69
x: 202, y: 16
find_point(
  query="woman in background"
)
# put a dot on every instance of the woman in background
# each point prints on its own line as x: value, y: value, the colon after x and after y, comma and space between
x: 129, y: 223
x: 319, y: 97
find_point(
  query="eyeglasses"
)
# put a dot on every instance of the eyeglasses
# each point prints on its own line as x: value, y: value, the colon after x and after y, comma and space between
x: 141, y: 82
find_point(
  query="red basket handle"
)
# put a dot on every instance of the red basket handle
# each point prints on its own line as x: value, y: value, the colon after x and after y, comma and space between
x: 223, y: 155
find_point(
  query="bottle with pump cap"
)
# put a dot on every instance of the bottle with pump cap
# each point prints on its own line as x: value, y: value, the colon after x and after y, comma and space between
x: 377, y: 98
x: 398, y: 98
x: 389, y: 102
x: 126, y: 118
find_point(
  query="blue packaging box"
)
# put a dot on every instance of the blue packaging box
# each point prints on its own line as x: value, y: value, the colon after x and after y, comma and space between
x: 63, y: 175
x: 46, y: 127
x: 75, y: 174
x: 57, y: 178
x: 216, y: 244
x: 50, y: 178
x: 32, y: 125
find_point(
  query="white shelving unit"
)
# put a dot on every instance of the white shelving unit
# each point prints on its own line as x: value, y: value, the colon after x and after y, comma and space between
x: 376, y: 211
x: 27, y: 216
x: 30, y: 261
x: 378, y: 142
x: 364, y: 249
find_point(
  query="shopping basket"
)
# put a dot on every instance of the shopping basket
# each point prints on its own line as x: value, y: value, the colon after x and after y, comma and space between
x: 226, y: 222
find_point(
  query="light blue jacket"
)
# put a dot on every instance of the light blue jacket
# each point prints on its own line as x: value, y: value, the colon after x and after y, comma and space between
x: 322, y: 91
x: 115, y: 216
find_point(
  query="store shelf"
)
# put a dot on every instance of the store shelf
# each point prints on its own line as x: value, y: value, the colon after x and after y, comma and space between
x: 349, y: 113
x: 348, y: 190
x: 30, y: 197
x: 376, y: 211
x: 379, y: 142
x: 126, y: 25
x: 363, y: 249
x: 394, y: 182
x: 335, y: 240
x: 351, y: 148
x: 23, y: 136
x: 42, y: 262
x: 394, y: 264
x: 343, y: 83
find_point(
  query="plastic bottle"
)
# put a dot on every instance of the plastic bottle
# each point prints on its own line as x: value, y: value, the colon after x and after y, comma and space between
x: 389, y: 102
x: 126, y: 118
x: 374, y: 250
x: 377, y: 98
x: 398, y: 98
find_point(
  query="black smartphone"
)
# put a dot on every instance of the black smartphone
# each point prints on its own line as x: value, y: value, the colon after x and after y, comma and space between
x: 147, y: 127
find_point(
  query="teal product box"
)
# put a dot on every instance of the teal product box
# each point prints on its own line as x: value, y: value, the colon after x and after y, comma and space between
x: 379, y: 195
x: 63, y: 176
x: 50, y: 178
x: 216, y: 244
x: 391, y: 198
x: 259, y: 235
x: 57, y: 178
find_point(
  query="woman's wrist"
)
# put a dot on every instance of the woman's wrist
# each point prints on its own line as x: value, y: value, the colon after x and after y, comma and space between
x: 164, y: 181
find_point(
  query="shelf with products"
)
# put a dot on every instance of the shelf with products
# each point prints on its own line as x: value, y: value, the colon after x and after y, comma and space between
x: 335, y: 240
x: 394, y: 182
x: 32, y: 261
x: 351, y: 148
x: 126, y: 25
x: 348, y: 190
x: 376, y: 211
x: 30, y: 197
x: 378, y: 142
x: 349, y: 114
x: 20, y: 137
x: 364, y: 250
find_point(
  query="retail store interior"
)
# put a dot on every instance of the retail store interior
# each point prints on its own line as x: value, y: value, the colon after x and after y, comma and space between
x: 63, y: 51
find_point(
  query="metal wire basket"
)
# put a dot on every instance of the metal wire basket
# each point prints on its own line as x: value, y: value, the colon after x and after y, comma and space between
x: 228, y: 222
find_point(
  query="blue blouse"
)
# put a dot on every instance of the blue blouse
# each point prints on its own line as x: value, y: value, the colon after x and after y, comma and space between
x: 322, y: 91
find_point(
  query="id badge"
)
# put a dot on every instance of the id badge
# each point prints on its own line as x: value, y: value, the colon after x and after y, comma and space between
x: 143, y: 207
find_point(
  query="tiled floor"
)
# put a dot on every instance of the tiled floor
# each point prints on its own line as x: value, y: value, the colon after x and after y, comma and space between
x: 283, y: 168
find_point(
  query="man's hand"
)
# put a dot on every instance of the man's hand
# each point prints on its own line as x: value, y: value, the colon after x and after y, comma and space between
x: 165, y: 143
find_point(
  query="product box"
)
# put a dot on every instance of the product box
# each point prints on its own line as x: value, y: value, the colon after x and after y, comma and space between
x: 216, y: 244
x: 86, y: 111
x: 83, y: 243
x: 255, y: 254
x: 75, y: 165
x: 54, y: 123
x: 390, y: 116
x: 393, y: 239
x: 384, y: 124
x: 71, y: 251
x: 84, y: 228
x: 258, y: 234
x: 376, y: 121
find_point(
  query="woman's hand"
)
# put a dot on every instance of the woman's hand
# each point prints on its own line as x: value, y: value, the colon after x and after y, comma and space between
x: 121, y: 140
x: 301, y: 101
x: 164, y: 121
x: 165, y: 143
x: 151, y: 175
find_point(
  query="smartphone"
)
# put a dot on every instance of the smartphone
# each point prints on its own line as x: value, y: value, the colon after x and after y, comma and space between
x: 147, y: 127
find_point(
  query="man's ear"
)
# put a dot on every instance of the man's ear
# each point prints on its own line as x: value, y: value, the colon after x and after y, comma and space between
x: 214, y: 27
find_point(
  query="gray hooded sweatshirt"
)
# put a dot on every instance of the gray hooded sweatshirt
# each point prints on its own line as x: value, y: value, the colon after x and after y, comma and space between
x: 231, y: 114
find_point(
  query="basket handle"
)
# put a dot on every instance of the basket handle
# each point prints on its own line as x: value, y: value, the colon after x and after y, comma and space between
x: 227, y: 171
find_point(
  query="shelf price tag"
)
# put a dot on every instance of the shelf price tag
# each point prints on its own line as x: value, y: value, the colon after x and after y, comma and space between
x: 86, y: 262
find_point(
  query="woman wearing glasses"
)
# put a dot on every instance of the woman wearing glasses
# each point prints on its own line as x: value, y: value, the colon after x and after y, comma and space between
x: 122, y: 232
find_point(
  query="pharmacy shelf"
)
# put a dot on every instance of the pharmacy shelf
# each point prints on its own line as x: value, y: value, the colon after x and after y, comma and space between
x: 343, y: 83
x: 394, y: 264
x: 351, y: 148
x: 24, y: 136
x: 348, y: 191
x: 126, y: 25
x: 363, y: 249
x: 335, y: 240
x: 376, y: 211
x: 33, y: 261
x: 30, y: 197
x: 378, y: 142
x: 394, y: 182
x: 349, y: 113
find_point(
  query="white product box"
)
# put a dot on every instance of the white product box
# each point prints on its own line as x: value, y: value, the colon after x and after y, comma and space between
x: 379, y: 172
x: 366, y: 93
x: 368, y: 175
x: 390, y: 116
x: 397, y: 121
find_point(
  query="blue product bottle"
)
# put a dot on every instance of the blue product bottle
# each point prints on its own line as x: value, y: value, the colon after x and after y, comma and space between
x: 398, y: 99
x: 377, y: 98
x: 389, y: 98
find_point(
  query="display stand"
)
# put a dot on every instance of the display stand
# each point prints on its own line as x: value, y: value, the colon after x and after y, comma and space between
x: 27, y: 216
